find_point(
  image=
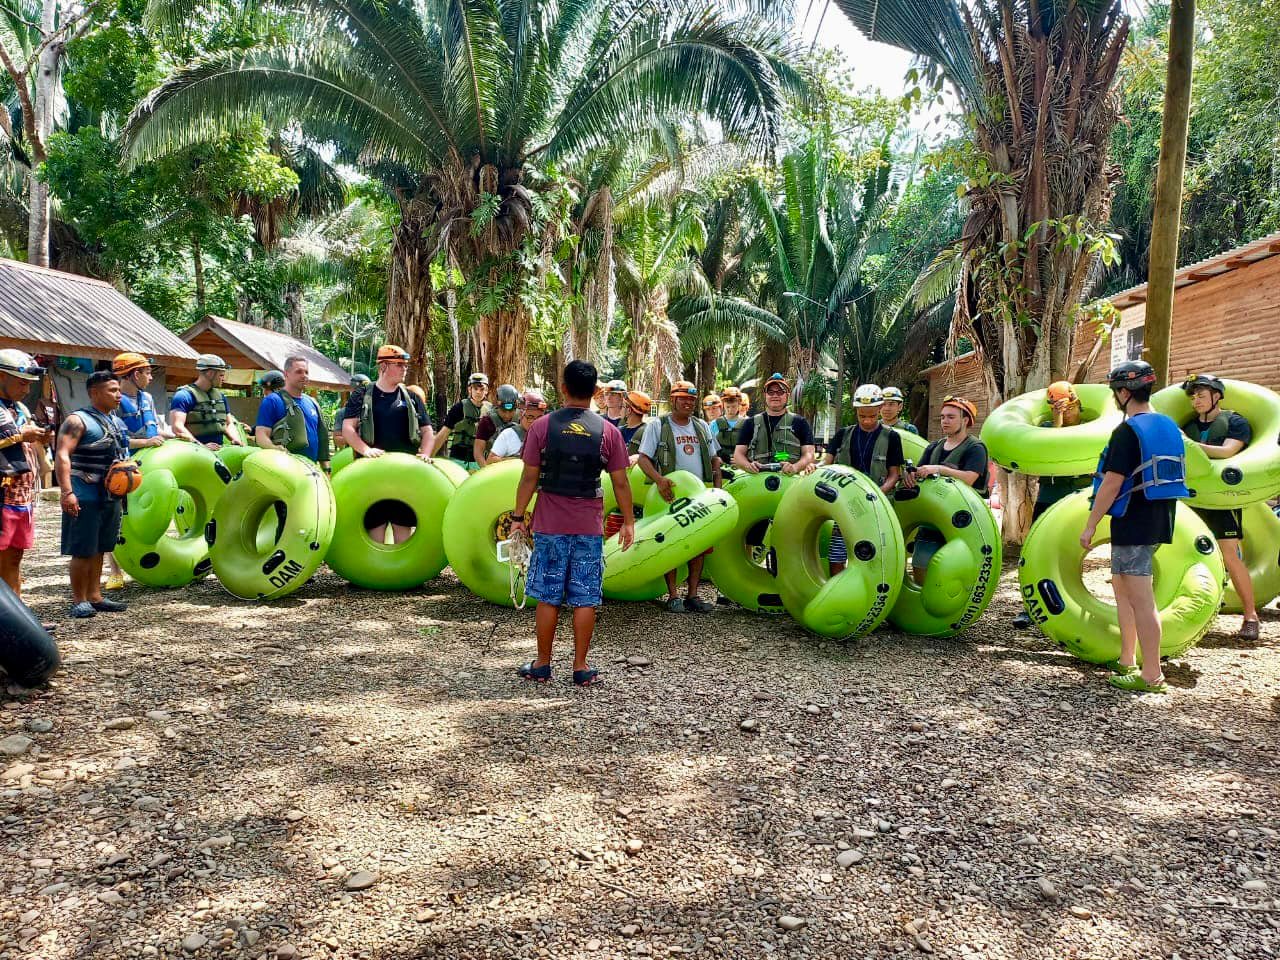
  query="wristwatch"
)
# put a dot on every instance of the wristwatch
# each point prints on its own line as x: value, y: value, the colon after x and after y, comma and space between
x: 517, y: 518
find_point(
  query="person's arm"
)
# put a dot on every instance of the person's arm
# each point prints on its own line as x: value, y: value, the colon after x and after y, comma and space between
x: 69, y: 435
x: 890, y: 480
x: 229, y: 426
x: 178, y: 421
x: 740, y: 459
x: 808, y: 453
x: 716, y: 464
x: 477, y: 452
x: 141, y: 443
x: 268, y: 414
x: 650, y: 470
x: 427, y: 447
x: 351, y: 434
x: 1108, y: 490
x: 942, y: 470
x: 1229, y: 448
x: 263, y: 436
x: 622, y: 495
x: 441, y: 437
x: 524, y: 493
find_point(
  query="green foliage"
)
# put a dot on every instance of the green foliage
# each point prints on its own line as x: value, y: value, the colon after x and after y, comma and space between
x: 108, y: 70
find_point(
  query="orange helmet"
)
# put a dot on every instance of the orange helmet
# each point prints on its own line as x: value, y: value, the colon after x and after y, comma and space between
x: 711, y: 400
x: 123, y: 477
x: 127, y: 363
x: 1061, y: 391
x: 730, y: 393
x: 683, y: 388
x: 390, y: 351
x: 964, y: 406
x: 639, y: 401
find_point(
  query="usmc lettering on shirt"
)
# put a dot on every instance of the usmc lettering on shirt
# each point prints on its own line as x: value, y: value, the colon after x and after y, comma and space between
x: 686, y: 441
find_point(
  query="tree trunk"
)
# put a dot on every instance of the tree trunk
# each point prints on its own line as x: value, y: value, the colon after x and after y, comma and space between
x: 1017, y: 500
x: 47, y: 82
x: 1167, y: 216
x: 707, y: 370
x: 197, y: 261
x: 440, y: 385
x: 293, y: 306
x: 773, y: 359
x: 837, y: 408
x: 409, y: 288
x: 507, y: 345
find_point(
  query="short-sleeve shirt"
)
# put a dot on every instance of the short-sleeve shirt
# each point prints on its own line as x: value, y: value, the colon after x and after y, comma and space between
x: 508, y: 444
x: 1237, y: 428
x: 1145, y: 521
x: 558, y: 514
x: 273, y: 409
x: 139, y: 415
x: 688, y: 451
x: 974, y: 459
x: 629, y: 432
x: 185, y: 401
x: 799, y: 426
x: 485, y: 430
x: 455, y: 415
x: 390, y: 419
x: 864, y: 445
x: 19, y: 491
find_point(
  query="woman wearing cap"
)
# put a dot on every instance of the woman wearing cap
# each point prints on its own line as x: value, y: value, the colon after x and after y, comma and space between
x: 18, y: 465
x: 199, y: 412
x: 460, y: 423
x: 891, y: 411
x: 1223, y: 433
x: 510, y: 441
x: 385, y: 417
x: 868, y: 447
x: 775, y: 436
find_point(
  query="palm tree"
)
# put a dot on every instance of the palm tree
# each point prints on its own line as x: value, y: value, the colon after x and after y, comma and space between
x: 456, y: 103
x: 1037, y: 82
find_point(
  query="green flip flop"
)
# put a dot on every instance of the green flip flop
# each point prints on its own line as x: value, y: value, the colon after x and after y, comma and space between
x: 1134, y: 683
x: 1120, y: 669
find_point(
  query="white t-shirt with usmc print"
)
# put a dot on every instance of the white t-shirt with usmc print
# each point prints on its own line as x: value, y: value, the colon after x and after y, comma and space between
x: 688, y: 456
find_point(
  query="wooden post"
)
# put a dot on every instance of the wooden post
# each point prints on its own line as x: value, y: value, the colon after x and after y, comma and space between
x: 1167, y: 216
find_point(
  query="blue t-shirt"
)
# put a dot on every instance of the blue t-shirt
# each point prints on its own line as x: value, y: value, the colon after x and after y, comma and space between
x: 272, y: 410
x: 185, y: 401
x: 93, y: 433
x: 715, y: 425
x: 139, y: 416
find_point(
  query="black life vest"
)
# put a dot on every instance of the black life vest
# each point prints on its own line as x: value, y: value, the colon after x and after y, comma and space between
x: 91, y: 459
x: 1217, y: 432
x: 936, y: 453
x: 879, y: 466
x: 462, y: 436
x: 573, y: 455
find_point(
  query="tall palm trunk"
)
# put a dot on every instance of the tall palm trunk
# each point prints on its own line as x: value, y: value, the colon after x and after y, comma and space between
x: 293, y: 310
x: 506, y: 346
x: 47, y: 82
x: 707, y: 370
x: 197, y: 262
x: 409, y: 289
x: 440, y: 384
x: 773, y: 359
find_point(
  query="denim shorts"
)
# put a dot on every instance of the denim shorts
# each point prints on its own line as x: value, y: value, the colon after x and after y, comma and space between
x: 566, y: 568
x: 1133, y: 561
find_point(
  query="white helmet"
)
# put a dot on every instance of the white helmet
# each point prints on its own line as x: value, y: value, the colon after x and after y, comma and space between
x: 868, y: 395
x: 210, y: 361
x: 21, y: 365
x: 893, y: 393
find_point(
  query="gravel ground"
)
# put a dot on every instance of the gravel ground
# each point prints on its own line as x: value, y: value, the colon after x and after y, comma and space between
x: 211, y: 778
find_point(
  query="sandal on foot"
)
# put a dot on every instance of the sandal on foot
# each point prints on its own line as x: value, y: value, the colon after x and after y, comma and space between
x: 530, y: 671
x: 698, y: 605
x: 1135, y: 684
x: 675, y: 605
x: 1120, y: 669
x: 587, y: 678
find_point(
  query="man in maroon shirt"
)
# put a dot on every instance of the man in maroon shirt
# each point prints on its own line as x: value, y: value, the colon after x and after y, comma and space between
x: 563, y: 455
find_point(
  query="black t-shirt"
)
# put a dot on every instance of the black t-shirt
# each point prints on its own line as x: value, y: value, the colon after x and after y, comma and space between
x: 799, y: 426
x: 454, y: 416
x: 390, y: 419
x: 975, y: 458
x: 1145, y: 521
x: 864, y: 445
x: 1237, y: 429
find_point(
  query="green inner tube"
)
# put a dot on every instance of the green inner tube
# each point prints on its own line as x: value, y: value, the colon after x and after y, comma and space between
x: 858, y: 599
x: 343, y: 458
x: 962, y: 576
x: 474, y: 521
x: 913, y: 445
x: 181, y: 485
x: 251, y: 565
x: 640, y: 490
x: 1188, y: 583
x: 671, y: 534
x: 1251, y: 475
x: 1261, y: 550
x: 1015, y: 440
x: 234, y: 457
x: 736, y: 565
x: 424, y: 488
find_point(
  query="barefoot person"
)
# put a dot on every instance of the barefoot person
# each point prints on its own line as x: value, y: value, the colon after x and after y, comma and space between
x: 1141, y: 476
x: 680, y: 441
x: 868, y: 447
x: 89, y: 442
x: 563, y: 455
x: 18, y: 465
x: 385, y: 417
x: 1223, y: 433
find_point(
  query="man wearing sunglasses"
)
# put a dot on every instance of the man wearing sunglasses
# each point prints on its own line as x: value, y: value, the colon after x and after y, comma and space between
x: 775, y: 436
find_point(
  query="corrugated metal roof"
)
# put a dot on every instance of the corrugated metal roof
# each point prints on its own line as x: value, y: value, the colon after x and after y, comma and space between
x: 48, y: 311
x: 1261, y: 249
x: 268, y: 350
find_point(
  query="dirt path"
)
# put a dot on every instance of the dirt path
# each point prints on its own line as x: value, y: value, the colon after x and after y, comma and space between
x: 207, y: 778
